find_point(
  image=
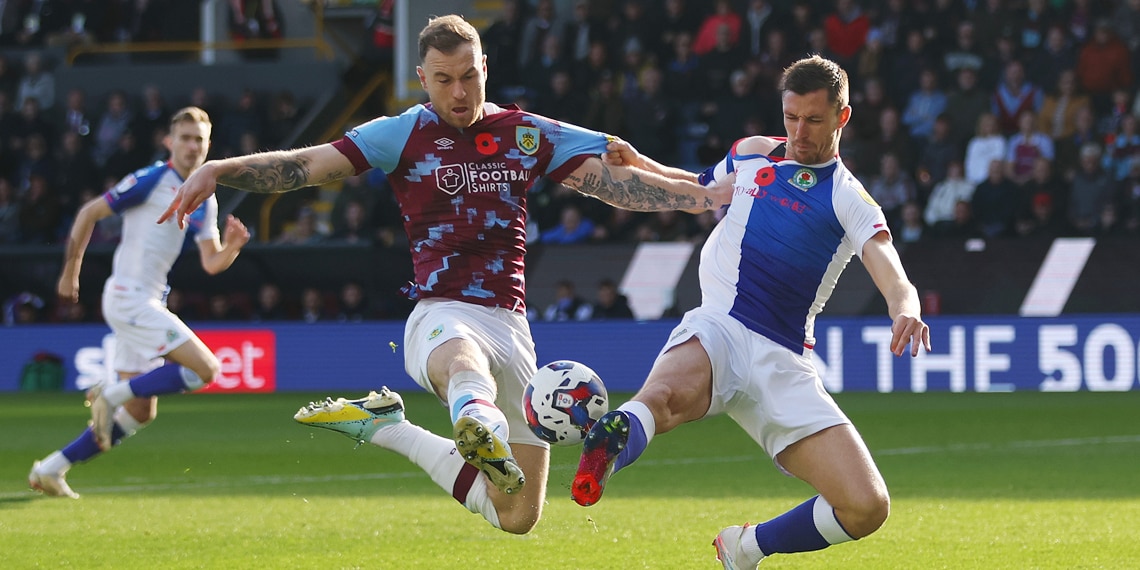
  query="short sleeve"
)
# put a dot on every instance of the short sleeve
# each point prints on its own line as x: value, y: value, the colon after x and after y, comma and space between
x: 382, y: 140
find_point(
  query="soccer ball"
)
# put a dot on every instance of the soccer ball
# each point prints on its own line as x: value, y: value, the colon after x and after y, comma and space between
x: 563, y: 401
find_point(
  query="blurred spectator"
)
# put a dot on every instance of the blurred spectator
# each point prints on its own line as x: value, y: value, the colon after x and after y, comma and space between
x: 619, y: 226
x: 31, y: 122
x: 1059, y: 111
x: 353, y: 227
x: 1104, y: 65
x: 1122, y: 148
x: 597, y: 64
x: 892, y: 187
x: 773, y: 60
x: 1126, y: 22
x: 359, y: 189
x: 726, y: 114
x: 631, y: 25
x: 115, y: 121
x: 582, y: 29
x: 681, y: 71
x: 36, y: 161
x: 965, y: 105
x: 312, y: 305
x: 846, y: 30
x: 987, y: 146
x: 872, y: 62
x: 223, y: 309
x: 539, y: 71
x: 892, y: 140
x: 666, y: 225
x: 610, y: 303
x: 955, y: 188
x: 867, y: 107
x: 573, y: 228
x: 761, y: 18
x: 23, y: 309
x: 1013, y: 97
x: 244, y: 117
x: 9, y: 213
x: 304, y: 231
x: 651, y: 120
x: 966, y: 225
x: 283, y: 116
x: 628, y: 75
x: 567, y: 305
x: 716, y: 66
x: 70, y: 312
x: 1079, y: 17
x: 269, y: 306
x: 353, y: 304
x: 127, y: 158
x: 965, y: 53
x: 39, y: 213
x: 74, y: 172
x: 154, y: 116
x: 911, y: 228
x: 1128, y: 195
x: 177, y: 303
x: 535, y: 30
x: 1041, y: 182
x: 924, y: 106
x: 1068, y: 148
x: 1089, y: 191
x: 36, y: 83
x: 1119, y: 106
x: 721, y: 28
x: 73, y: 117
x: 562, y: 101
x: 256, y: 20
x: 1043, y: 220
x: 1033, y: 21
x: 1055, y: 57
x: 1026, y: 146
x: 502, y: 43
x: 9, y: 77
x: 901, y: 77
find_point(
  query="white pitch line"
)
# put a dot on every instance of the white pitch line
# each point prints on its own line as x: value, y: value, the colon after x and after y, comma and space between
x: 263, y: 480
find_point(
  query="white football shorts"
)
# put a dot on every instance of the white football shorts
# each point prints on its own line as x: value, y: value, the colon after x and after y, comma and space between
x: 773, y: 393
x: 144, y: 329
x: 502, y: 334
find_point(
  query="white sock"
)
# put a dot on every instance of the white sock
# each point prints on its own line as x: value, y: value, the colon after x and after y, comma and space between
x: 118, y: 393
x: 749, y: 545
x: 472, y: 394
x: 438, y: 458
x: 127, y: 422
x: 644, y: 415
x: 55, y: 463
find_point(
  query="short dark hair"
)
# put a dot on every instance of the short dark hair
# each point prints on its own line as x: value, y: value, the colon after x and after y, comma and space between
x: 813, y: 73
x: 445, y: 33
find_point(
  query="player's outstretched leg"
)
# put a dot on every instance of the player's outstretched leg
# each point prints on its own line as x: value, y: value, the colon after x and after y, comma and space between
x: 480, y: 447
x: 357, y: 419
x: 599, y: 451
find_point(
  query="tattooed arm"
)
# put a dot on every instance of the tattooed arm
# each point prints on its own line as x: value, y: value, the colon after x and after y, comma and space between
x: 263, y: 173
x: 644, y: 191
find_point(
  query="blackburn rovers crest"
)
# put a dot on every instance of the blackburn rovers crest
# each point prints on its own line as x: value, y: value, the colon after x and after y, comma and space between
x: 526, y: 138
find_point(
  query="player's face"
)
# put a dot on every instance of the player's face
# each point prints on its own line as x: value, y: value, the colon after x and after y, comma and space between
x: 813, y: 126
x: 456, y: 84
x: 188, y: 143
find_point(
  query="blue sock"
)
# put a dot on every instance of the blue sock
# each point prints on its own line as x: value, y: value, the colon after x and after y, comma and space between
x: 634, y: 446
x: 793, y: 531
x: 162, y: 380
x: 84, y: 446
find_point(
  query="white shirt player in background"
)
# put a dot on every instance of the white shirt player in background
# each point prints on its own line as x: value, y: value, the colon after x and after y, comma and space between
x: 796, y: 218
x: 134, y: 297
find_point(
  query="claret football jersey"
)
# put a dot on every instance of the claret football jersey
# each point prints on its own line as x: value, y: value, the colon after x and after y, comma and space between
x: 462, y: 192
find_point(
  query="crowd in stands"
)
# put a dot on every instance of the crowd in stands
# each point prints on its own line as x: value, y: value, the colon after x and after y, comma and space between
x: 971, y: 118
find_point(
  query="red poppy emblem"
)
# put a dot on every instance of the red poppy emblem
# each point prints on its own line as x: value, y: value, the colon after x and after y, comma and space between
x: 485, y: 143
x: 765, y: 176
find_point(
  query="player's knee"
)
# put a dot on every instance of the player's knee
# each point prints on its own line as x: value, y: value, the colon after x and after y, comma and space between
x: 518, y: 521
x: 143, y: 410
x: 868, y: 513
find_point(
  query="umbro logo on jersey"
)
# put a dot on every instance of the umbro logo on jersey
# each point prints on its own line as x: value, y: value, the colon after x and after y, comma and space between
x: 444, y: 143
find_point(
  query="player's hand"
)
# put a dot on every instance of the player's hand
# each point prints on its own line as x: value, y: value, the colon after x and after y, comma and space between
x: 68, y: 288
x: 621, y: 153
x: 196, y: 189
x: 236, y: 234
x: 909, y: 329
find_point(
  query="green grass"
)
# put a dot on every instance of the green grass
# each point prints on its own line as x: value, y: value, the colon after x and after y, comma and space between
x: 1022, y: 480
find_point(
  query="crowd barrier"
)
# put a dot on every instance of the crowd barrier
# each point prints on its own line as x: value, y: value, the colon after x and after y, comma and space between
x: 970, y: 354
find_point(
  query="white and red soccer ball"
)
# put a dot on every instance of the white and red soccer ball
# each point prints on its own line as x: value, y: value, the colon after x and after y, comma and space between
x: 563, y: 401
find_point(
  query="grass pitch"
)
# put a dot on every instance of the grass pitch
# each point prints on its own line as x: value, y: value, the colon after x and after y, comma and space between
x: 1019, y: 480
